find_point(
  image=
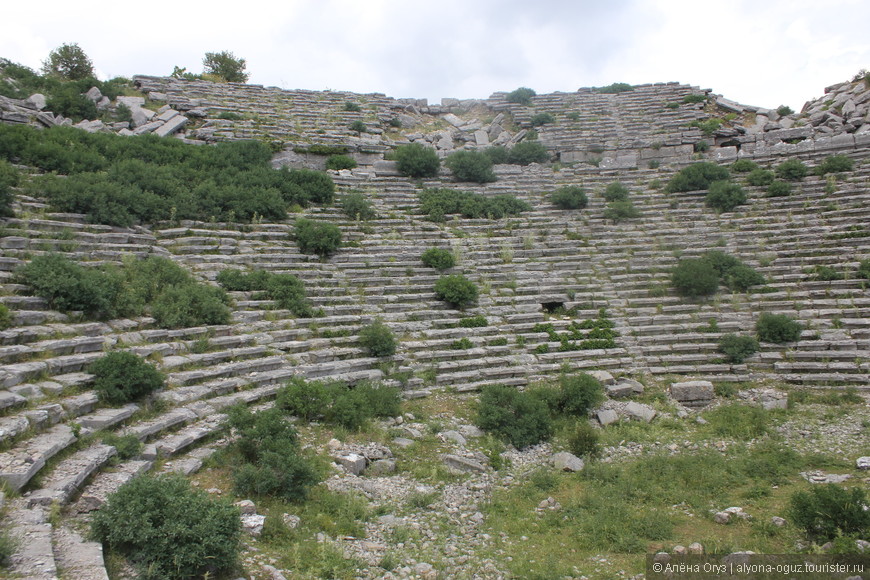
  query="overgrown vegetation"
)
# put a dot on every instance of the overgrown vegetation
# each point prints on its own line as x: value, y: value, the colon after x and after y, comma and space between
x: 594, y: 333
x: 724, y: 196
x: 438, y: 258
x: 440, y: 202
x: 471, y: 166
x: 155, y: 285
x: 121, y: 377
x: 225, y: 66
x: 337, y: 403
x: 524, y: 153
x: 339, y: 162
x: 834, y: 164
x: 357, y: 206
x: 697, y: 177
x: 737, y: 348
x: 614, y: 89
x: 378, y: 339
x: 702, y: 276
x: 456, y: 290
x: 286, y: 290
x: 792, y: 170
x: 168, y: 529
x: 417, y: 161
x: 778, y: 328
x: 569, y: 197
x: 515, y: 416
x: 522, y: 96
x: 827, y: 512
x: 316, y: 237
x: 9, y: 178
x: 121, y: 181
x: 543, y: 118
x: 615, y: 192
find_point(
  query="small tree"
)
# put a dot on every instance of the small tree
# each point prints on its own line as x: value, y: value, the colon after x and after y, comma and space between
x: 725, y: 196
x: 696, y: 177
x: 470, y: 166
x: 578, y: 394
x: 226, y: 66
x: 778, y: 328
x: 438, y: 258
x: 415, y: 160
x: 615, y: 192
x: 519, y: 417
x: 313, y: 237
x: 457, y: 290
x: 737, y: 348
x: 68, y: 62
x: 695, y: 277
x: 792, y: 170
x: 522, y: 96
x: 121, y: 377
x: 569, y: 197
x: 378, y: 339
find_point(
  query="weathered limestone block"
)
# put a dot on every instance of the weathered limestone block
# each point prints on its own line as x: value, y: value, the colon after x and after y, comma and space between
x: 171, y: 126
x: 692, y: 393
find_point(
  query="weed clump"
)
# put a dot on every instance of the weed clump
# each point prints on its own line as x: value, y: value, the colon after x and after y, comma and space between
x: 829, y: 511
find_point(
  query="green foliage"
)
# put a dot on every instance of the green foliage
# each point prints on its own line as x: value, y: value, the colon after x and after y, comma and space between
x: 226, y: 66
x: 620, y: 210
x: 315, y: 186
x: 9, y: 178
x: 358, y: 126
x: 701, y: 147
x: 517, y: 417
x: 695, y: 277
x: 595, y: 333
x: 784, y: 111
x: 415, y: 160
x: 127, y: 446
x: 286, y: 290
x: 696, y: 177
x: 190, y: 305
x: 527, y: 152
x: 478, y: 321
x: 68, y: 100
x: 313, y: 237
x: 522, y: 96
x: 778, y: 328
x: 791, y: 170
x: 8, y: 546
x: 544, y: 118
x: 578, y: 394
x: 462, y: 344
x: 691, y: 99
x: 584, y: 440
x: 725, y: 196
x: 5, y: 317
x: 826, y: 274
x: 760, y: 177
x: 497, y: 154
x: 338, y: 404
x: 440, y: 202
x: 614, y: 88
x: 67, y: 286
x: 339, y: 162
x: 121, y: 377
x: 615, y: 192
x: 378, y: 339
x: 569, y: 197
x: 834, y: 164
x: 352, y: 107
x: 456, y: 290
x: 169, y: 529
x: 737, y: 348
x: 321, y: 149
x: 738, y: 421
x: 267, y: 460
x: 357, y: 206
x: 438, y: 258
x: 779, y: 189
x: 68, y: 62
x: 744, y: 166
x: 828, y: 511
x: 863, y: 269
x: 470, y: 166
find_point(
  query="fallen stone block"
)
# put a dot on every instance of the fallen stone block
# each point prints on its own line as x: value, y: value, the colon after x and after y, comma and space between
x: 693, y: 393
x: 463, y: 464
x: 564, y: 461
x: 640, y: 412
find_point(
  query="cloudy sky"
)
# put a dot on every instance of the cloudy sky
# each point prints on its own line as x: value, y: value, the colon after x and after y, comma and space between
x: 757, y: 52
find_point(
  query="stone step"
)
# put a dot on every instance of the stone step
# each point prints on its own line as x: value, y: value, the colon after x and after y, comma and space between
x: 67, y: 477
x: 19, y: 465
x: 78, y: 558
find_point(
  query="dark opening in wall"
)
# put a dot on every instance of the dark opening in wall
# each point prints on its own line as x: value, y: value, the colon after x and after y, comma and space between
x: 551, y: 307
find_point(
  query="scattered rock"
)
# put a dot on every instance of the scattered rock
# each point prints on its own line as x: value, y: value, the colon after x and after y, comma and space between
x: 549, y: 504
x: 253, y: 524
x: 777, y: 521
x: 564, y: 461
x: 246, y: 507
x: 381, y: 467
x: 353, y: 463
x: 291, y: 521
x: 640, y: 411
x: 619, y: 390
x: 454, y: 436
x: 696, y: 548
x: 606, y: 416
x: 604, y: 377
x: 862, y: 463
x: 463, y: 464
x: 821, y: 477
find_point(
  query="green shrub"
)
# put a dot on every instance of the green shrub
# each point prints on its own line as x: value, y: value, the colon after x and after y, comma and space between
x: 527, y: 152
x: 226, y: 66
x: 828, y: 511
x: 696, y: 177
x: 615, y: 192
x: 191, y: 305
x: 438, y: 258
x: 760, y: 177
x: 438, y: 203
x: 5, y: 317
x: 378, y: 339
x: 744, y: 166
x: 352, y: 107
x: 305, y: 399
x: 539, y: 119
x: 357, y: 206
x: 8, y: 546
x: 462, y: 344
x: 691, y: 99
x: 733, y: 273
x: 620, y: 210
x: 456, y: 290
x: 315, y: 187
x: 578, y: 394
x: 784, y: 111
x: 863, y: 270
x: 127, y: 446
x: 778, y: 328
x: 470, y: 166
x: 339, y: 162
x: 313, y: 237
x: 584, y: 441
x: 779, y: 189
x: 478, y: 321
x: 569, y: 197
x: 614, y: 88
x: 286, y: 290
x: 522, y: 96
x: 8, y: 179
x: 725, y: 196
x: 834, y: 164
x: 826, y: 274
x: 737, y: 348
x: 497, y: 154
x: 695, y: 277
x: 358, y: 126
x: 338, y: 404
x: 415, y: 160
x: 69, y: 101
x: 169, y: 529
x: 381, y: 401
x: 121, y: 377
x: 701, y: 147
x: 514, y: 416
x: 791, y: 170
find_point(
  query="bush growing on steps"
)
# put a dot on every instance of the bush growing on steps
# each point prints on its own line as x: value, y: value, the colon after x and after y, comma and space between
x: 121, y: 377
x: 191, y: 305
x: 313, y: 237
x: 415, y: 160
x: 584, y: 441
x: 521, y: 96
x: 526, y: 153
x: 828, y: 511
x: 356, y: 206
x: 744, y: 166
x: 517, y: 417
x: 339, y: 162
x: 834, y: 164
x: 863, y: 269
x: 578, y: 394
x: 702, y: 276
x: 9, y: 178
x: 760, y: 177
x: 5, y: 317
x: 337, y: 403
x: 286, y: 290
x: 497, y: 154
x: 620, y: 210
x: 779, y: 189
x: 615, y: 192
x: 696, y: 177
x: 791, y: 170
x: 456, y: 290
x: 724, y: 196
x: 544, y: 118
x: 378, y: 339
x: 569, y: 197
x: 168, y: 529
x: 471, y: 166
x: 438, y: 258
x: 778, y: 328
x: 440, y: 202
x: 737, y: 348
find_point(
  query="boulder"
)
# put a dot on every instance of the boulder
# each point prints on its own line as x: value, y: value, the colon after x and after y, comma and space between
x: 253, y: 524
x: 640, y: 412
x: 454, y: 436
x: 463, y: 464
x: 564, y: 461
x: 604, y: 377
x: 863, y: 463
x: 607, y: 416
x: 619, y: 391
x: 353, y: 463
x: 37, y: 100
x: 381, y: 467
x: 246, y: 507
x: 693, y: 393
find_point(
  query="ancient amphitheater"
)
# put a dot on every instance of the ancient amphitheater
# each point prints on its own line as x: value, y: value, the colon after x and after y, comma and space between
x: 525, y: 266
